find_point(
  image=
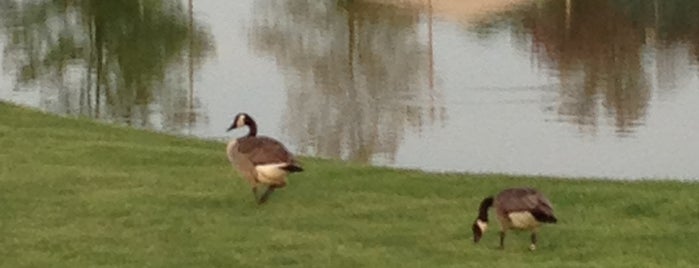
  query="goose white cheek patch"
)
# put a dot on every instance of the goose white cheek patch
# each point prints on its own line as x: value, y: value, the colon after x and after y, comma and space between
x: 482, y: 225
x: 240, y: 121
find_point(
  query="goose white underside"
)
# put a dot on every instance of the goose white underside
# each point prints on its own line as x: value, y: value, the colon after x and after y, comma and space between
x: 271, y: 173
x: 523, y: 220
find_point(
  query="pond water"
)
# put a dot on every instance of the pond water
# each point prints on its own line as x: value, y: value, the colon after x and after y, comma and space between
x: 581, y: 88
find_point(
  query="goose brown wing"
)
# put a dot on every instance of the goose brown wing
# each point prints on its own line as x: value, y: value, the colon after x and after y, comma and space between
x: 262, y: 150
x: 538, y: 205
x: 527, y: 199
x: 544, y: 205
x: 521, y: 199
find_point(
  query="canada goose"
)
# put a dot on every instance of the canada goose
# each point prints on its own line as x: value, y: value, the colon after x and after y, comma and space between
x: 260, y: 159
x: 516, y: 208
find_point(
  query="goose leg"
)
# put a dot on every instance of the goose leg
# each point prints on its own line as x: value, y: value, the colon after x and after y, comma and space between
x: 266, y: 195
x: 254, y: 192
x: 253, y: 182
x: 502, y: 239
x: 532, y: 247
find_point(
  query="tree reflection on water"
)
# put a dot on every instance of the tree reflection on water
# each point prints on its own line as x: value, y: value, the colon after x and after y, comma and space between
x: 359, y: 74
x: 116, y: 60
x: 607, y: 54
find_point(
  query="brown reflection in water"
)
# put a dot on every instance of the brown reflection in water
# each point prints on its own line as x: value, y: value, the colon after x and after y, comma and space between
x: 359, y: 74
x: 601, y: 51
x: 116, y: 60
x: 598, y: 60
x: 671, y: 26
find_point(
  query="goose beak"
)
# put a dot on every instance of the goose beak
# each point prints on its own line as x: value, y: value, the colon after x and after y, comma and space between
x: 231, y: 127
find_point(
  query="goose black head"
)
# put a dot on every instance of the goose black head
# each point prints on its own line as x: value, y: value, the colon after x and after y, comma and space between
x: 240, y: 120
x: 478, y: 228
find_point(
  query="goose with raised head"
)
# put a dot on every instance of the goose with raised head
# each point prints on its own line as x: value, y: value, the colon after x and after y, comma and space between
x: 518, y: 209
x: 260, y: 160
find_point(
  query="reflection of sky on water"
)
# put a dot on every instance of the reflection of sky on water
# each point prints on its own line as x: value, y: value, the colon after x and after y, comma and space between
x: 502, y: 105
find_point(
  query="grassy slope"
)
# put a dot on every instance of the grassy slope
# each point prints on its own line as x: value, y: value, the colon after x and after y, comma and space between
x: 74, y: 193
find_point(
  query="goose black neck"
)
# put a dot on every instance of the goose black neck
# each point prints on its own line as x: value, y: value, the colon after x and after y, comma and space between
x: 483, y: 209
x: 253, y: 128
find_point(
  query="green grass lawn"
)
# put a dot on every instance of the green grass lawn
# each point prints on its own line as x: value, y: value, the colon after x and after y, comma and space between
x: 74, y: 193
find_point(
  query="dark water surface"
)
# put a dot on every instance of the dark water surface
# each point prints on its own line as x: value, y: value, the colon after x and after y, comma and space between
x: 590, y: 88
